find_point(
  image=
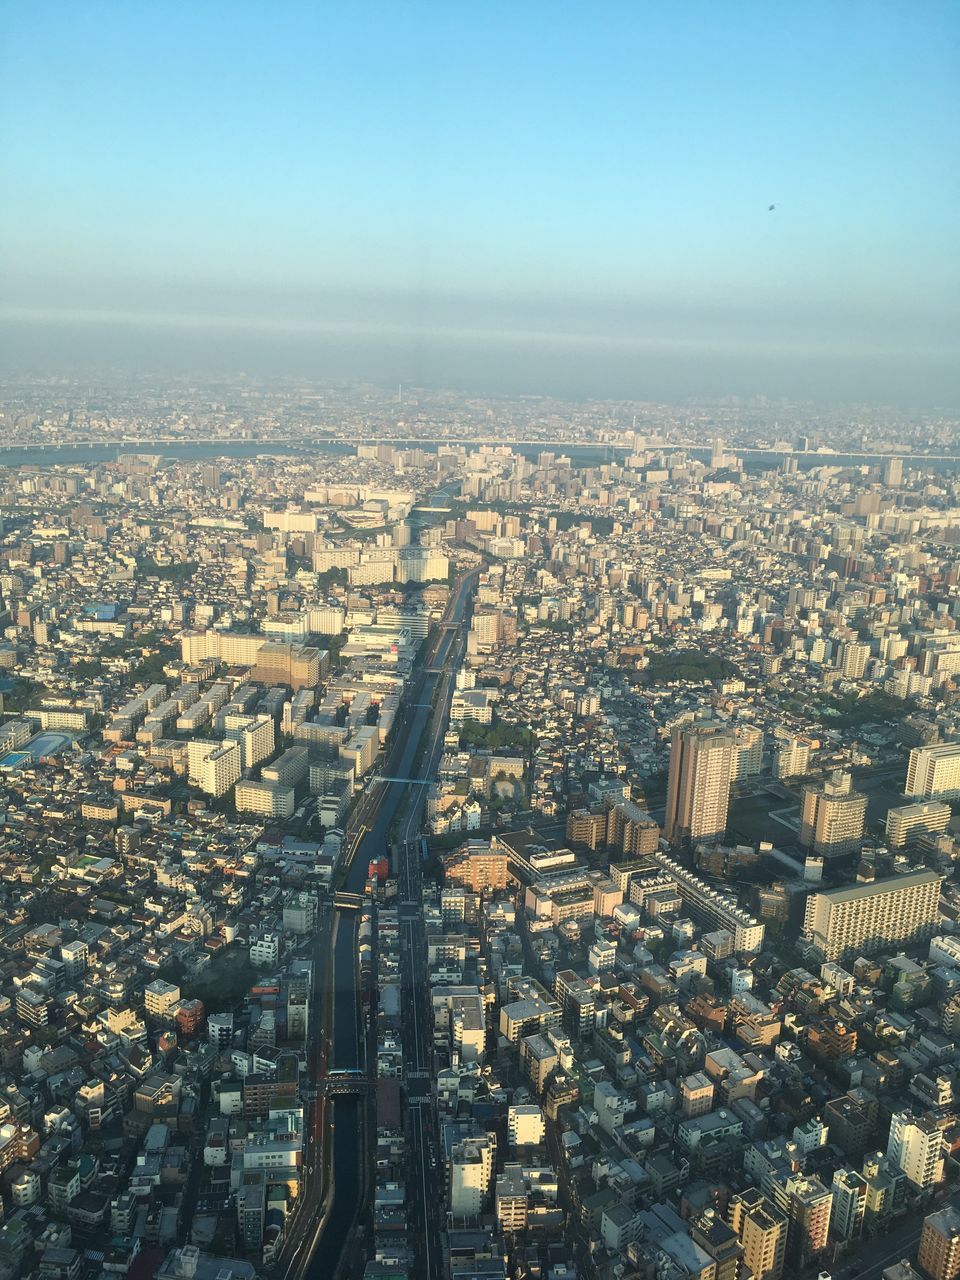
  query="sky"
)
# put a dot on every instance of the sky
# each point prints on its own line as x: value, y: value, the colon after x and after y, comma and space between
x: 548, y: 198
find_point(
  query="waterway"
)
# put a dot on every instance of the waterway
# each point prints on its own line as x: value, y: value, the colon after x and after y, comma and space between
x: 755, y: 460
x: 346, y: 1162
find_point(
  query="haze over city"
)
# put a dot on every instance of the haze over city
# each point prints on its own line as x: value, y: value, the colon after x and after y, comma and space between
x: 534, y: 199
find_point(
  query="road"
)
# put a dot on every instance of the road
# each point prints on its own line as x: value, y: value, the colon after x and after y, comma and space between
x: 333, y: 1240
x: 424, y: 1176
x: 302, y: 1233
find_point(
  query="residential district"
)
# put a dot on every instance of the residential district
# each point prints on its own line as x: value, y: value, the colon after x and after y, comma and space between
x: 465, y: 858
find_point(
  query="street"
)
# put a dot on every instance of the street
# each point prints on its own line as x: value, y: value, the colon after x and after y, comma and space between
x: 365, y: 839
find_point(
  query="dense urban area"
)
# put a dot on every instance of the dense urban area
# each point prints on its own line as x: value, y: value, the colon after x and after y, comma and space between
x: 487, y: 839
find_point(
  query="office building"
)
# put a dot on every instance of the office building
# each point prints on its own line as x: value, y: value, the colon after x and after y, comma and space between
x: 698, y: 788
x: 872, y: 917
x: 832, y: 817
x: 934, y: 772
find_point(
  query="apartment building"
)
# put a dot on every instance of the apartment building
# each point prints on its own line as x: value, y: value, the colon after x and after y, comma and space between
x: 710, y: 906
x: 871, y: 917
x: 698, y: 788
x: 934, y: 772
x: 908, y: 822
x: 915, y: 1145
x: 832, y: 817
x: 268, y: 799
x: 477, y: 866
x: 762, y: 1231
x: 213, y: 766
x: 940, y: 1244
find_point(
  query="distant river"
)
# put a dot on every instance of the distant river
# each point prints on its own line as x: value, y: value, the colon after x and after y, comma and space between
x: 51, y: 456
x: 580, y: 455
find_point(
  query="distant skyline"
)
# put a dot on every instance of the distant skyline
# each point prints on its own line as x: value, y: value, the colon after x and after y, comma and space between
x: 541, y: 198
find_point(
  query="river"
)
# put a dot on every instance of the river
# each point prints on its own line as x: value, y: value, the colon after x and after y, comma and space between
x: 580, y: 454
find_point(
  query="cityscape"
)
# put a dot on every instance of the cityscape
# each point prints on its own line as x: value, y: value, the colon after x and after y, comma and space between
x: 429, y: 854
x: 479, y: 640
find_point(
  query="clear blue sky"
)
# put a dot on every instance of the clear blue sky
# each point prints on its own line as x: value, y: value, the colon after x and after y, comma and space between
x: 587, y: 179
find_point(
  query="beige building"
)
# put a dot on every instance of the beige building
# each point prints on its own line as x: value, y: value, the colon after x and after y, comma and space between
x: 832, y: 817
x: 477, y: 866
x: 873, y: 917
x: 791, y: 757
x: 159, y: 997
x: 762, y: 1230
x: 269, y: 799
x: 696, y: 1094
x: 702, y: 759
x: 940, y: 1244
x: 909, y: 821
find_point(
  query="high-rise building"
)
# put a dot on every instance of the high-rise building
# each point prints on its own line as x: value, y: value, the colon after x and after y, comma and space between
x: 762, y: 1230
x: 213, y: 766
x: 808, y: 1203
x: 748, y: 757
x: 630, y: 830
x: 471, y: 1170
x: 940, y: 1244
x: 915, y: 1145
x: 720, y: 1242
x: 871, y: 917
x: 886, y: 1188
x: 477, y: 866
x: 853, y: 660
x: 849, y: 1202
x: 832, y: 817
x: 934, y: 771
x: 893, y: 473
x: 698, y: 788
x: 255, y: 735
x: 791, y: 758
